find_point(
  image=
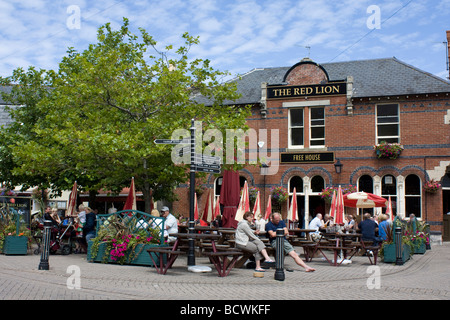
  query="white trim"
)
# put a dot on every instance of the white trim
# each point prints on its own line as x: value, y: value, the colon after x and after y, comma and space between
x: 306, y: 103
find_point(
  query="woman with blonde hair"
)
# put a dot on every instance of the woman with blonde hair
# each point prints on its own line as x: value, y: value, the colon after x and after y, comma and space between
x: 246, y: 240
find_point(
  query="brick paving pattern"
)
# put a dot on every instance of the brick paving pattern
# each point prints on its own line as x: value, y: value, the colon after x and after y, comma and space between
x: 422, y: 277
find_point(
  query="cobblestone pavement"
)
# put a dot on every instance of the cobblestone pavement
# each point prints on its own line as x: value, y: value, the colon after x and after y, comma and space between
x: 423, y: 277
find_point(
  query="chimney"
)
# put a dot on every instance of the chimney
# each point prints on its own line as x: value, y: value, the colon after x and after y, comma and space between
x: 448, y: 51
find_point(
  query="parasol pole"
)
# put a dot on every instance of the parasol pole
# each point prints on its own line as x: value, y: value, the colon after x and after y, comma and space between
x: 191, y: 254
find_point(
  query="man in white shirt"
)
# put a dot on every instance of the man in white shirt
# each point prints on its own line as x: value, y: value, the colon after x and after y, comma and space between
x: 170, y: 224
x: 316, y: 223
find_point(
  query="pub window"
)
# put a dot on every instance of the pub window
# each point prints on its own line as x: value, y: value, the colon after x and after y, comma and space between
x: 296, y: 128
x: 317, y: 127
x: 365, y: 184
x: 413, y: 203
x: 388, y: 123
x: 296, y: 182
x: 317, y: 184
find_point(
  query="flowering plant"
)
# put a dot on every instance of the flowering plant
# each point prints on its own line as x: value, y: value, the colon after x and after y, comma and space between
x: 279, y: 194
x: 252, y: 194
x: 7, y: 192
x: 8, y: 226
x: 327, y: 193
x: 431, y: 186
x: 122, y: 240
x: 388, y: 150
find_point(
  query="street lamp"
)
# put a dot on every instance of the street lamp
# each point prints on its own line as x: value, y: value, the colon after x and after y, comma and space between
x: 338, y: 166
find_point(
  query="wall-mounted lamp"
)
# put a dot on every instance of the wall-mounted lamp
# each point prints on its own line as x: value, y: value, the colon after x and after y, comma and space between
x: 264, y: 169
x: 338, y: 166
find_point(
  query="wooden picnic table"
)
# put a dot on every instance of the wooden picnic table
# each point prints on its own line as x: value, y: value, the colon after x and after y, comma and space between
x: 337, y: 243
x: 297, y: 232
x: 218, y: 257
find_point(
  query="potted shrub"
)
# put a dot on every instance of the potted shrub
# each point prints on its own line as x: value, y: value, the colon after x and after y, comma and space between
x: 14, y: 238
x: 119, y: 241
x: 387, y: 251
x: 386, y: 150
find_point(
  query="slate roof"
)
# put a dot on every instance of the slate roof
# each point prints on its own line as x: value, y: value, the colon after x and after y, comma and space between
x: 371, y: 78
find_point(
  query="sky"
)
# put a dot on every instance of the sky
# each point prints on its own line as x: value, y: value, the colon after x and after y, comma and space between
x: 235, y: 35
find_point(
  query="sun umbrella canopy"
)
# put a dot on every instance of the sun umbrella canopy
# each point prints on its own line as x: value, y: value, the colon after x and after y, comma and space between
x: 257, y: 207
x: 363, y: 200
x: 244, y: 203
x: 229, y: 197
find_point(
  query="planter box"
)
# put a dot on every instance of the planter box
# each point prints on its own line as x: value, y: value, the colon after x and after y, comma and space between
x: 15, y: 245
x: 142, y: 258
x: 389, y: 253
x: 420, y: 248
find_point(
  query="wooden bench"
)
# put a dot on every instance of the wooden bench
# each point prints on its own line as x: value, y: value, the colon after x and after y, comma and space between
x: 367, y: 247
x: 172, y: 255
x: 221, y: 262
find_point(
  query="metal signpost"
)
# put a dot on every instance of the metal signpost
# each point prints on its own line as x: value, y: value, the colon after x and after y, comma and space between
x: 43, y: 264
x: 199, y: 163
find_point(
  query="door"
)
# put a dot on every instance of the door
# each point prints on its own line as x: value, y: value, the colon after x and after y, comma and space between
x: 446, y: 220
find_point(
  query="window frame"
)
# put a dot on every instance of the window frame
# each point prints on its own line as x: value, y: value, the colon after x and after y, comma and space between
x: 310, y: 139
x: 290, y: 145
x: 379, y: 138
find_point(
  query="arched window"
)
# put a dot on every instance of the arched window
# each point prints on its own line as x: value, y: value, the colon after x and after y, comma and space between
x: 365, y: 183
x: 317, y: 184
x: 413, y: 198
x: 296, y: 182
x: 389, y: 188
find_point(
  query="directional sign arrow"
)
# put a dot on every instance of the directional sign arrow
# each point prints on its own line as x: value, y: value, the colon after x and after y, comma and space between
x: 170, y: 141
x: 210, y: 170
x: 207, y: 165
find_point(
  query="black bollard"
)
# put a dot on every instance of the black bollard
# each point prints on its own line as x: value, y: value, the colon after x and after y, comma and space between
x: 398, y: 246
x: 43, y: 264
x: 279, y: 265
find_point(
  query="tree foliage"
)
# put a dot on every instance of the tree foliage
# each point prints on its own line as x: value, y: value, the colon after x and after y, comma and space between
x: 95, y: 118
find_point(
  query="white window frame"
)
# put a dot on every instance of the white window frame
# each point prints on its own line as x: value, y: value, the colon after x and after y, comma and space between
x: 311, y: 126
x: 303, y: 105
x: 379, y: 138
x: 291, y: 146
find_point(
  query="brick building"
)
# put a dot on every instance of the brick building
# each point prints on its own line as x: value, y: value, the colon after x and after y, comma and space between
x: 335, y: 113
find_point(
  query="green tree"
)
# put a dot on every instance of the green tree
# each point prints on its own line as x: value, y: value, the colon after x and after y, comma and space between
x: 94, y: 120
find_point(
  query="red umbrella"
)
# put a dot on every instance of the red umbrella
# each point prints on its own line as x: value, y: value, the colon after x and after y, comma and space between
x: 72, y: 201
x: 389, y: 209
x: 130, y: 204
x: 339, y: 217
x: 257, y: 207
x: 229, y: 197
x: 208, y: 212
x: 269, y: 208
x: 363, y: 200
x: 333, y: 205
x: 244, y: 203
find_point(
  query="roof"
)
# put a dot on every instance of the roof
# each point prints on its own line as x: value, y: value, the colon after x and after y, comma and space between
x: 371, y: 78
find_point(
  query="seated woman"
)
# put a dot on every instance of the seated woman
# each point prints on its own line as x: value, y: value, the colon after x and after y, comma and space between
x: 246, y: 240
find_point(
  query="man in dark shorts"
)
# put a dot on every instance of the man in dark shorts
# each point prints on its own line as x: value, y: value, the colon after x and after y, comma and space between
x: 271, y: 229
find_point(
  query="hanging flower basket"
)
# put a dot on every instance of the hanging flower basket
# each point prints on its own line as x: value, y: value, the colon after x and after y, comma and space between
x: 327, y: 193
x: 432, y: 186
x: 385, y: 150
x: 279, y: 194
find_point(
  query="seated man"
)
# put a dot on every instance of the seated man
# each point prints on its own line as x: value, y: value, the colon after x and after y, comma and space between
x: 271, y: 229
x: 368, y: 229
